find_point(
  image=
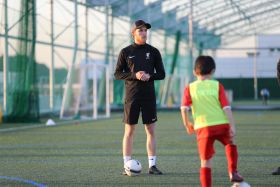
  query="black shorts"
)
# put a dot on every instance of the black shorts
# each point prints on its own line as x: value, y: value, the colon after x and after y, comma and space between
x: 132, y: 110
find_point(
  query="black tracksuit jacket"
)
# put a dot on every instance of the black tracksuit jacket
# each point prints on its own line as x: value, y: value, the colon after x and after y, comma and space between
x: 136, y: 58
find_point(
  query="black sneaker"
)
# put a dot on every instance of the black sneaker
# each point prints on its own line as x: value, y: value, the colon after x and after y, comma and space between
x: 276, y: 172
x: 236, y: 177
x: 154, y: 170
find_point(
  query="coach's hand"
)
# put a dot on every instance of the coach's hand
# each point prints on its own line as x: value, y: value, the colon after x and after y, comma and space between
x: 139, y: 75
x: 145, y: 77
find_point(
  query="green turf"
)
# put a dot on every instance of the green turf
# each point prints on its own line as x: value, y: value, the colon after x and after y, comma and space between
x: 89, y: 154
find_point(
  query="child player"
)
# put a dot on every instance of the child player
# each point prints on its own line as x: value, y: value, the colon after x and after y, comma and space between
x: 212, y: 118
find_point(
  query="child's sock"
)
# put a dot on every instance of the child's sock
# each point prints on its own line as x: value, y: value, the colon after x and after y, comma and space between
x: 232, y: 157
x: 205, y: 177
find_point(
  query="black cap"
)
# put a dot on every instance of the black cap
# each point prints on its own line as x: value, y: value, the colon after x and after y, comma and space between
x: 140, y: 23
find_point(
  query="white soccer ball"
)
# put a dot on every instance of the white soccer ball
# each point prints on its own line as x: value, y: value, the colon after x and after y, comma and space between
x: 133, y: 167
x: 240, y: 184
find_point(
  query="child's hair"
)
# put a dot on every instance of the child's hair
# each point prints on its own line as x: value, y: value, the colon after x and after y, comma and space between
x: 204, y: 65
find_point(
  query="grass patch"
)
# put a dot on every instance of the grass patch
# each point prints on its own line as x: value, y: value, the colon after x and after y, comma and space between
x: 89, y: 154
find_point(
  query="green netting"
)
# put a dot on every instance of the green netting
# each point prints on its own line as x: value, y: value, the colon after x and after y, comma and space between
x: 118, y: 92
x: 22, y: 101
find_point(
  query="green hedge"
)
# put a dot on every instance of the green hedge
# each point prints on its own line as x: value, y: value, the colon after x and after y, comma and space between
x: 243, y: 88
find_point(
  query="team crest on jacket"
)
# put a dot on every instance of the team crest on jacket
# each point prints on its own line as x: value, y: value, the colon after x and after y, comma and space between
x: 147, y: 56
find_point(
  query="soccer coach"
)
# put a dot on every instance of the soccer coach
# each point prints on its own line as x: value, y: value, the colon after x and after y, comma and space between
x: 140, y: 64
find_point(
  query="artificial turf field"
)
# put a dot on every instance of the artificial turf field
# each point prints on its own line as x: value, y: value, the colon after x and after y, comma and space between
x: 89, y: 154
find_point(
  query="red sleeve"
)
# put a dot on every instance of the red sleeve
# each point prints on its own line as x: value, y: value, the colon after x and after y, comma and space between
x: 222, y: 96
x: 187, y: 100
